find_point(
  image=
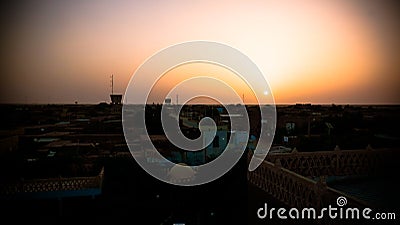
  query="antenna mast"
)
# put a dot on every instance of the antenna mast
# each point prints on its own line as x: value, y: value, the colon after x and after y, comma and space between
x: 112, y: 84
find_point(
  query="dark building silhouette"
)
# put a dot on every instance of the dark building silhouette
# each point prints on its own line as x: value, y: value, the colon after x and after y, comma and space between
x: 116, y: 99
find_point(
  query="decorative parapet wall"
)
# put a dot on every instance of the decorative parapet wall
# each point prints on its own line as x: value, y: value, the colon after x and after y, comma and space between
x: 54, y: 187
x: 287, y: 177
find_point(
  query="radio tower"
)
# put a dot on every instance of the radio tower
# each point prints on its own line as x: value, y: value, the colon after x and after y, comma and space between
x: 112, y: 84
x: 116, y: 99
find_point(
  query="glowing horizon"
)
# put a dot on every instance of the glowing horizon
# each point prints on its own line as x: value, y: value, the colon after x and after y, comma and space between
x: 320, y: 52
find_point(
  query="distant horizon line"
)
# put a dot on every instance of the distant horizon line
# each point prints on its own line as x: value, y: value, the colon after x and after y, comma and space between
x: 297, y: 103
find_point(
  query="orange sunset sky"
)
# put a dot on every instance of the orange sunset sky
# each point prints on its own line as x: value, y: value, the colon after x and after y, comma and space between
x: 318, y: 51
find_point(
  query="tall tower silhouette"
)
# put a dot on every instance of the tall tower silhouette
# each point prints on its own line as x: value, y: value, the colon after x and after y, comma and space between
x: 116, y: 99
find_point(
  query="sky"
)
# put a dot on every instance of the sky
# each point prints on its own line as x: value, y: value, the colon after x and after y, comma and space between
x: 314, y: 51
